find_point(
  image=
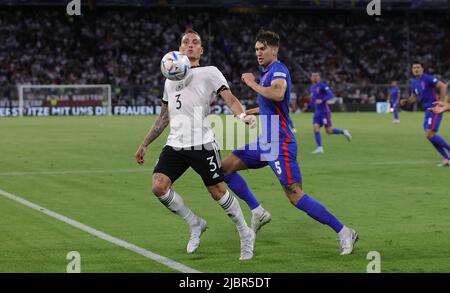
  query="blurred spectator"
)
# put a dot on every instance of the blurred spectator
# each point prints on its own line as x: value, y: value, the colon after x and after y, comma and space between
x: 123, y: 47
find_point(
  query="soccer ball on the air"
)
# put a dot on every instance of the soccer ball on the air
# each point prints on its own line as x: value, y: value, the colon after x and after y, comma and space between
x: 175, y: 65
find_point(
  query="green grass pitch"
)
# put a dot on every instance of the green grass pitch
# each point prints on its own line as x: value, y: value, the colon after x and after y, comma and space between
x: 385, y: 184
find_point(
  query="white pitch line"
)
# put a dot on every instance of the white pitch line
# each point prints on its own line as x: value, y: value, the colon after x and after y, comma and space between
x: 62, y: 172
x: 139, y: 250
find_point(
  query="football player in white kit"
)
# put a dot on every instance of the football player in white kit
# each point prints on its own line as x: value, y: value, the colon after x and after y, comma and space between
x: 191, y: 143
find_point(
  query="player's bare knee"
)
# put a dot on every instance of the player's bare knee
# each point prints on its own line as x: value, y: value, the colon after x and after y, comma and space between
x: 429, y: 134
x: 293, y: 192
x: 328, y: 130
x: 217, y: 191
x: 160, y: 184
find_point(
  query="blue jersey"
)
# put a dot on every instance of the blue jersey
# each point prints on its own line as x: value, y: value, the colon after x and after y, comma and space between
x: 270, y: 108
x: 394, y: 94
x: 425, y: 89
x: 320, y: 91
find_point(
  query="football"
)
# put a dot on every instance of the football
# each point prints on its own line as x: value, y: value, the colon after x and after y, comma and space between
x: 175, y: 65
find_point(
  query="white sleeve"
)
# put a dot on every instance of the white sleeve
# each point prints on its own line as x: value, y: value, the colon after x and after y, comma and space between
x: 165, y: 97
x: 217, y: 79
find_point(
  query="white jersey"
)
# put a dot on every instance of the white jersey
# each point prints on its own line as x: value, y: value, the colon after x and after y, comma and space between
x: 188, y: 101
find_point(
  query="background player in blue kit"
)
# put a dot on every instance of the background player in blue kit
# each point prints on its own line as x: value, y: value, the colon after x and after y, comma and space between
x: 424, y: 87
x: 394, y: 100
x: 320, y: 95
x: 277, y: 146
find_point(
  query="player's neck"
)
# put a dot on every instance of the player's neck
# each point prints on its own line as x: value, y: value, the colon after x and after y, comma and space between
x: 195, y: 63
x: 268, y: 65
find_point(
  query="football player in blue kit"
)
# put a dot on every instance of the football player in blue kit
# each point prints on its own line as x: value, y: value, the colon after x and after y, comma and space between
x: 276, y: 146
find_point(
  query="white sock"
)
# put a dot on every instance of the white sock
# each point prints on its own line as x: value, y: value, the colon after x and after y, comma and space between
x: 174, y: 202
x: 345, y: 232
x: 233, y: 209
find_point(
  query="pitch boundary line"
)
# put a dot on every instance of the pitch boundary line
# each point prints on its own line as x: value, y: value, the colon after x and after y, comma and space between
x: 99, y: 234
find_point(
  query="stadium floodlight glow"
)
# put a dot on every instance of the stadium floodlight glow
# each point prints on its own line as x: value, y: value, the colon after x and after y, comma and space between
x: 75, y: 97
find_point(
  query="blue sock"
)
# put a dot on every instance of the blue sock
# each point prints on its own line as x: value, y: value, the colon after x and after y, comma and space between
x: 318, y: 138
x: 318, y: 212
x: 396, y: 115
x: 238, y: 185
x: 440, y: 149
x: 337, y: 131
x: 440, y: 141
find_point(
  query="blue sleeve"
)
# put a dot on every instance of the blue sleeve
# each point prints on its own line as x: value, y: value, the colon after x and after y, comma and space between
x: 279, y: 72
x: 432, y: 80
x: 329, y: 93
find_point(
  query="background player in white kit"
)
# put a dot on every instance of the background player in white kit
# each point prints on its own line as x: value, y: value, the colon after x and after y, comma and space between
x: 191, y: 143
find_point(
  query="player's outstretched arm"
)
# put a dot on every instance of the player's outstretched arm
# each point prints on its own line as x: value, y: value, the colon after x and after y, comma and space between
x: 237, y: 108
x: 440, y: 107
x: 411, y: 100
x: 253, y: 111
x: 158, y: 127
x: 274, y: 92
x: 442, y: 90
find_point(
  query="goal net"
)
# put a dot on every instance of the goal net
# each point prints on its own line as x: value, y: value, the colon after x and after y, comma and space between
x: 64, y: 100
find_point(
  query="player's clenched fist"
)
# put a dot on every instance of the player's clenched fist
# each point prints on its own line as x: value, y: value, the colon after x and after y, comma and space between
x: 140, y: 153
x: 248, y: 78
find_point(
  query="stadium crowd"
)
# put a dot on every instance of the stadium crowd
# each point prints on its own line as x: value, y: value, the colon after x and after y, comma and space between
x: 123, y: 47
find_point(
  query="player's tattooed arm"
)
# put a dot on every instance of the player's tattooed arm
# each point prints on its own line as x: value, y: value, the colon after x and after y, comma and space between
x: 160, y: 124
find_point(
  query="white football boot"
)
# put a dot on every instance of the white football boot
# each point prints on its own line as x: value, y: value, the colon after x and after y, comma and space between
x: 347, y: 242
x: 318, y: 150
x: 196, y: 231
x: 347, y: 135
x: 259, y: 221
x: 247, y: 245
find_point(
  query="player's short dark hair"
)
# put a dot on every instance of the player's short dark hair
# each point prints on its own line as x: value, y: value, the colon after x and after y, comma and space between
x: 268, y: 38
x: 190, y: 31
x: 418, y: 62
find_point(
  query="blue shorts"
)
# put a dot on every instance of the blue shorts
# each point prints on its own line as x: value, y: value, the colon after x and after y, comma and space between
x: 432, y: 121
x: 280, y: 156
x: 394, y: 107
x: 322, y: 119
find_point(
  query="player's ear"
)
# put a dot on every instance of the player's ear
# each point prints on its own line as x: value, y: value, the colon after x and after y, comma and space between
x: 201, y: 53
x: 275, y: 51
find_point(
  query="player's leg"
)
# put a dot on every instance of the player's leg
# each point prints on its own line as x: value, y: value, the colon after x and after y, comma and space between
x: 317, y: 124
x: 288, y: 172
x: 320, y: 213
x: 396, y: 117
x: 232, y: 208
x: 241, y: 159
x: 169, y: 168
x: 431, y: 125
x: 208, y: 164
x: 330, y: 130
